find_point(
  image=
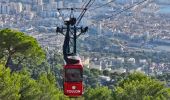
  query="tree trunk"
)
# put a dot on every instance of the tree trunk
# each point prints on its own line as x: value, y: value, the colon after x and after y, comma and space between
x: 9, y: 61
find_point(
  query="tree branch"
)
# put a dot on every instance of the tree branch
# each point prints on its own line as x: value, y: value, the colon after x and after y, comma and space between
x: 20, y: 61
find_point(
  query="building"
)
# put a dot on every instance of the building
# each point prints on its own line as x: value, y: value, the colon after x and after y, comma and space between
x: 86, y: 61
x: 4, y: 8
x: 40, y: 2
x: 16, y: 8
x: 131, y: 60
x: 60, y: 4
x: 27, y: 7
x: 51, y: 1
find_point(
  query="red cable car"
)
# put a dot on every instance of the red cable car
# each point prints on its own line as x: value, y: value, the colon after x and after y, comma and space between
x: 73, y: 79
x: 73, y: 70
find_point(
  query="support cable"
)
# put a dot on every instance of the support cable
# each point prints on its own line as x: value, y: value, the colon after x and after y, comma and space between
x: 126, y: 9
x: 102, y: 5
x: 88, y: 5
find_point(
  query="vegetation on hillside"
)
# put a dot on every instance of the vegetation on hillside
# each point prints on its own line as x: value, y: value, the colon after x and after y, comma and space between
x: 40, y: 77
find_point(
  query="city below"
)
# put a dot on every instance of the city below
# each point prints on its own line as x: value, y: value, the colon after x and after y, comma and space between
x: 137, y: 39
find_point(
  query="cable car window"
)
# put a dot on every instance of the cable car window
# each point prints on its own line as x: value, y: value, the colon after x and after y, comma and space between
x: 73, y: 75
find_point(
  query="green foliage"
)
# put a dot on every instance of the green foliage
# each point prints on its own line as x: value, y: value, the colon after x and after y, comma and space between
x: 164, y: 77
x: 86, y: 71
x: 99, y: 93
x: 95, y: 72
x: 29, y: 87
x: 117, y: 77
x: 138, y: 86
x: 91, y: 77
x: 48, y: 88
x: 106, y: 73
x: 44, y: 67
x: 20, y: 47
x: 55, y: 58
x: 20, y: 86
x: 9, y: 85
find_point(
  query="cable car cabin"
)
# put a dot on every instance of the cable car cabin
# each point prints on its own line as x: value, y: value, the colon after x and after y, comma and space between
x: 73, y: 80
